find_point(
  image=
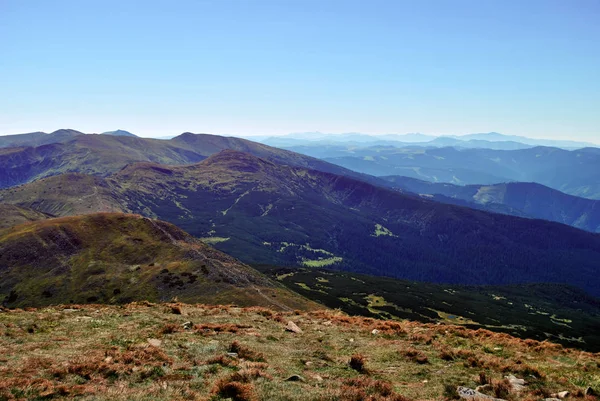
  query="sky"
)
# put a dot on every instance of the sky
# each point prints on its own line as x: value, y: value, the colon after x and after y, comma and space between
x: 269, y: 67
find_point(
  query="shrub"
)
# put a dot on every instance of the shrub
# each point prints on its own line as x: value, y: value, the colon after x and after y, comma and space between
x: 416, y: 356
x: 358, y: 362
x: 244, y: 352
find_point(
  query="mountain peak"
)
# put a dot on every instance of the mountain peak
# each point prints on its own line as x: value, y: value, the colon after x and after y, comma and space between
x: 119, y: 132
x: 67, y: 131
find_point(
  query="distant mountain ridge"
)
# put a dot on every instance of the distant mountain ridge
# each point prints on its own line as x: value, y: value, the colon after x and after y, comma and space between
x: 575, y: 172
x: 38, y: 138
x: 492, y: 140
x: 105, y: 154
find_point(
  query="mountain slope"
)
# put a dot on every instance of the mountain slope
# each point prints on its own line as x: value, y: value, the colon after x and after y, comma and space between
x: 105, y: 154
x: 552, y: 312
x: 116, y: 258
x: 262, y: 212
x: 516, y: 198
x: 11, y: 215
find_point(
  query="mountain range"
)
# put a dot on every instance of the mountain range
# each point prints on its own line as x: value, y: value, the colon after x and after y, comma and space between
x: 574, y: 172
x: 264, y: 212
x: 491, y: 140
x: 105, y: 154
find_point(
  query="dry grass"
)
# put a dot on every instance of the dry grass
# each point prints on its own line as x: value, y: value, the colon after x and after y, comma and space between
x: 98, y: 352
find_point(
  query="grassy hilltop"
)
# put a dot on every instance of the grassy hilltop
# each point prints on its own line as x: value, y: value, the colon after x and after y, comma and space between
x: 146, y: 351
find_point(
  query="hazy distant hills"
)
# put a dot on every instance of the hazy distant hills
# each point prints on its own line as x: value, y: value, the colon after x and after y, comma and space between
x: 263, y: 212
x: 516, y: 198
x: 492, y: 140
x: 574, y: 172
x: 96, y: 258
x: 105, y: 154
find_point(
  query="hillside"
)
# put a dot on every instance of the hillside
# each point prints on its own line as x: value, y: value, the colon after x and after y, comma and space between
x: 262, y: 212
x: 554, y: 312
x: 145, y: 352
x: 117, y: 258
x: 11, y: 215
x: 102, y: 155
x: 526, y: 199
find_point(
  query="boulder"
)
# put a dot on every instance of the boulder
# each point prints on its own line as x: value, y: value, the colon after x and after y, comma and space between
x: 293, y: 327
x: 517, y: 385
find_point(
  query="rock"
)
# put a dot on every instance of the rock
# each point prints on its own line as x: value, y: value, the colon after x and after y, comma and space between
x: 517, y: 385
x: 318, y: 378
x: 327, y: 323
x: 469, y: 394
x: 590, y: 391
x: 155, y: 342
x: 291, y: 326
x: 375, y: 332
x: 187, y: 325
x: 351, y: 340
x: 232, y: 354
x: 560, y: 394
x: 295, y: 378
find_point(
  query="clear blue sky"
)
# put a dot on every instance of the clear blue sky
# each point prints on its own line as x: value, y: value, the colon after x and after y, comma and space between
x: 527, y: 67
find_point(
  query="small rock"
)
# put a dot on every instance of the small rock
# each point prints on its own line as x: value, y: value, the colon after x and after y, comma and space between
x: 589, y: 391
x: 318, y: 378
x: 470, y: 394
x: 291, y: 326
x: 351, y: 340
x: 232, y: 354
x: 187, y: 325
x: 327, y: 323
x: 108, y: 359
x: 375, y: 332
x: 155, y: 342
x: 295, y: 378
x: 560, y: 394
x: 308, y: 363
